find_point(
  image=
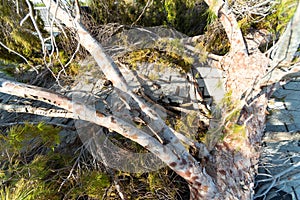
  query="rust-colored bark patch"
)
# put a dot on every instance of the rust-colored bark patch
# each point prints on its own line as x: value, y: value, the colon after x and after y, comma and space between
x: 9, y: 85
x: 205, y: 188
x: 188, y: 173
x: 143, y: 106
x: 194, y: 178
x: 223, y: 172
x: 134, y: 137
x: 173, y: 164
x: 113, y: 120
x: 198, y: 185
x: 100, y: 115
x: 183, y: 162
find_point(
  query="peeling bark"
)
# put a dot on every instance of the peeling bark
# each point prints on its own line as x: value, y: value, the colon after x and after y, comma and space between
x: 229, y: 173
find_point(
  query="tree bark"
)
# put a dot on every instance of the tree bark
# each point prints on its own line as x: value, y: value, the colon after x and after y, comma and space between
x: 181, y: 161
x: 229, y: 173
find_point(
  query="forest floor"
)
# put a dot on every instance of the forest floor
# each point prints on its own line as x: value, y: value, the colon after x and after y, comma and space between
x: 281, y: 140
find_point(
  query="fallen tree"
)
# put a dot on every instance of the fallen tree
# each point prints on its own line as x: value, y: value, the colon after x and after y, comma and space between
x: 227, y: 166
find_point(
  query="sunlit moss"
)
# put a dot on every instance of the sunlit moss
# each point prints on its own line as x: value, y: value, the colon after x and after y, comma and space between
x: 42, y: 174
x: 211, y: 16
x: 170, y: 7
x: 154, y: 182
x: 23, y: 174
x: 201, y: 51
x: 73, y: 70
x: 18, y: 38
x: 277, y: 21
x: 191, y: 125
x: 274, y: 22
x: 45, y: 134
x: 153, y: 76
x: 217, y: 42
x: 93, y: 184
x: 21, y: 190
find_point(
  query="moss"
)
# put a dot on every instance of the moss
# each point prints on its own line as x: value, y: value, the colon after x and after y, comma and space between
x: 170, y: 7
x: 24, y: 178
x: 159, y: 57
x: 22, y: 134
x: 45, y: 174
x: 18, y: 38
x: 9, y: 70
x: 22, y: 190
x: 227, y: 101
x: 39, y: 167
x: 30, y: 170
x: 211, y: 16
x: 63, y: 57
x: 226, y: 116
x: 25, y: 42
x: 154, y: 182
x: 217, y: 41
x: 153, y: 76
x: 191, y: 125
x: 39, y: 5
x: 245, y: 25
x: 73, y: 70
x: 93, y: 184
x: 277, y: 21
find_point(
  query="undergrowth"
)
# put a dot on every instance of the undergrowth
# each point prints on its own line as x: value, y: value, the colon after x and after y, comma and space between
x: 35, y: 165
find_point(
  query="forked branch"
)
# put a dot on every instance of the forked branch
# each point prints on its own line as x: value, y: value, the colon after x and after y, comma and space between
x: 112, y: 73
x: 229, y: 22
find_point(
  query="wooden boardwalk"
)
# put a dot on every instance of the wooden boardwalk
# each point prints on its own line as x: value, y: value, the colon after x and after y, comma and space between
x: 281, y: 145
x: 284, y: 108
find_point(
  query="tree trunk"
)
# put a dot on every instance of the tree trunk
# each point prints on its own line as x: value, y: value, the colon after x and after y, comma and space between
x: 234, y: 158
x: 228, y: 173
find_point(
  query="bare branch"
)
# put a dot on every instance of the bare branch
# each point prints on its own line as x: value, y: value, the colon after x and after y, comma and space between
x: 149, y: 2
x: 278, y: 74
x: 80, y: 111
x: 37, y: 111
x: 31, y: 15
x: 174, y: 154
x: 277, y: 180
x: 10, y: 50
x: 259, y: 8
x: 112, y: 72
x: 182, y: 163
